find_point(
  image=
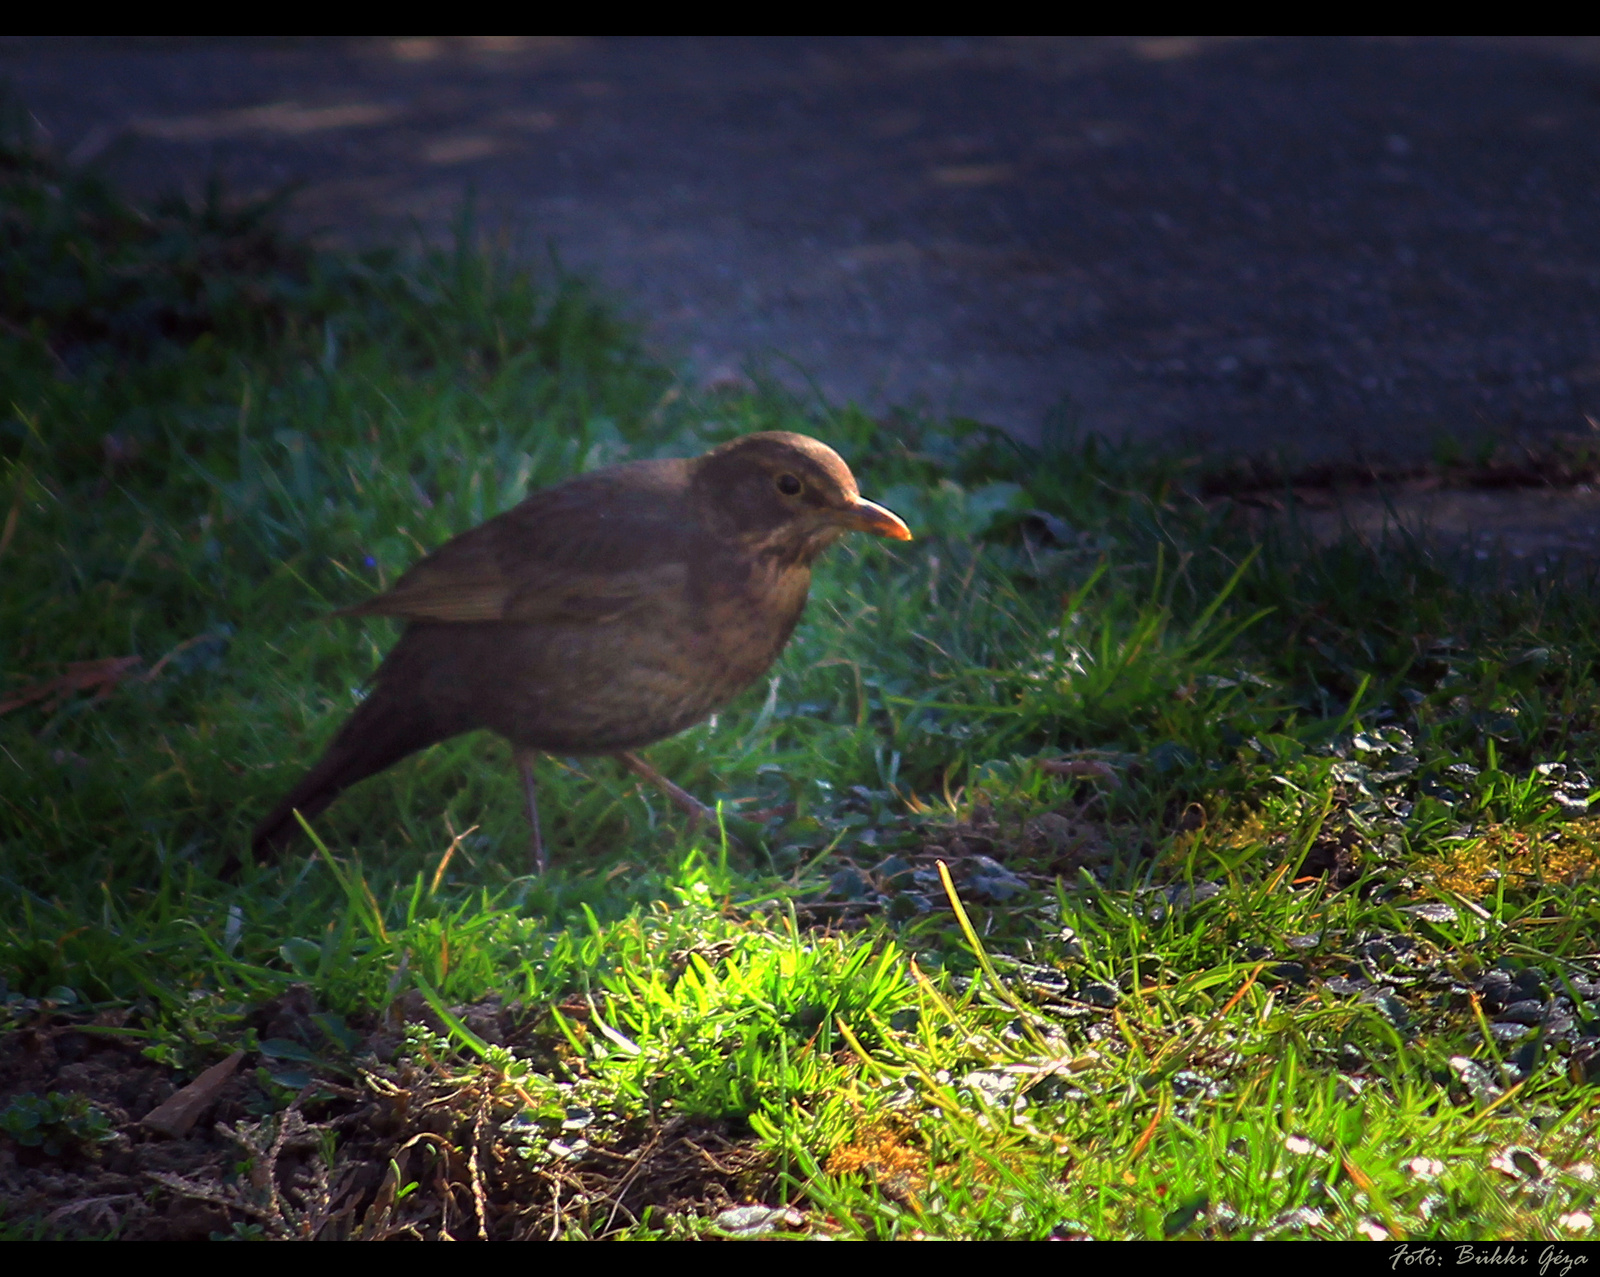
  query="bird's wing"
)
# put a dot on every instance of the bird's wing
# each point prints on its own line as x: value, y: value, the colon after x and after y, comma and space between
x: 589, y: 550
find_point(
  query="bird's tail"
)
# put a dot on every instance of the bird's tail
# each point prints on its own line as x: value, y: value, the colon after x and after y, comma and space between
x: 383, y: 730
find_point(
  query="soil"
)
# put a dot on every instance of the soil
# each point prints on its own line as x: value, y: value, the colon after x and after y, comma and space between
x: 334, y: 1161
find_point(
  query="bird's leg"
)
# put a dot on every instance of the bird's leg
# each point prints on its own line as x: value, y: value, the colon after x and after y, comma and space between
x: 525, y: 759
x: 682, y: 799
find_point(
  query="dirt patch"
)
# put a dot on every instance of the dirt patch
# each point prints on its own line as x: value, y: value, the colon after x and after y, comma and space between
x: 426, y: 1147
x: 100, y: 1187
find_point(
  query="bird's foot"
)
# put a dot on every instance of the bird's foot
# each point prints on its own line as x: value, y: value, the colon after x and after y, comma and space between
x: 680, y: 798
x: 530, y: 790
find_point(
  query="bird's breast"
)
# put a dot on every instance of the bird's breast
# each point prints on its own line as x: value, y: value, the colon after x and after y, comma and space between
x: 747, y: 621
x: 625, y: 681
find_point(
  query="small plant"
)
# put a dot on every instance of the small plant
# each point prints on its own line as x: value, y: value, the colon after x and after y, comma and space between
x: 57, y: 1125
x: 196, y: 1030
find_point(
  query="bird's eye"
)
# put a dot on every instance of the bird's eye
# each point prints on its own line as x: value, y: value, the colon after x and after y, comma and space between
x: 788, y: 485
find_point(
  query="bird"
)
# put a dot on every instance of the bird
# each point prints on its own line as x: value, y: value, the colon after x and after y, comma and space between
x: 600, y: 615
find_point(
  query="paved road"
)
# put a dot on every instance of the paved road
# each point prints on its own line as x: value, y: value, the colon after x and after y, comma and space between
x: 1310, y: 246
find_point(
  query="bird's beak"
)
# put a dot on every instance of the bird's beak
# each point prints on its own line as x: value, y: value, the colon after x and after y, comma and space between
x: 868, y: 516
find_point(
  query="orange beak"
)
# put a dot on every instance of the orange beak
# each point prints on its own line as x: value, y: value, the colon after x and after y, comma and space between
x: 868, y: 516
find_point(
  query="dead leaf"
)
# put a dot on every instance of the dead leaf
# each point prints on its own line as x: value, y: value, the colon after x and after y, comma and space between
x: 176, y: 1117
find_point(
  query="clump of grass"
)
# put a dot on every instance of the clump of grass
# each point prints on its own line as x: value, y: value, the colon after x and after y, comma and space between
x: 1274, y: 858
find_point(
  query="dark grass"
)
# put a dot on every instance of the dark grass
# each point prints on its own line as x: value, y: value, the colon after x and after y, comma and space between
x: 1260, y: 964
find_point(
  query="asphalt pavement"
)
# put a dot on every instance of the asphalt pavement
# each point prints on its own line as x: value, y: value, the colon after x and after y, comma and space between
x: 1321, y: 248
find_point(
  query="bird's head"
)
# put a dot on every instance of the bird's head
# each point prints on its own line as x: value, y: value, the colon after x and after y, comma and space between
x: 786, y: 494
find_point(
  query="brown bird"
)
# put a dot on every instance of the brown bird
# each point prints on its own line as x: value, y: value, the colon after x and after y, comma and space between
x: 599, y: 615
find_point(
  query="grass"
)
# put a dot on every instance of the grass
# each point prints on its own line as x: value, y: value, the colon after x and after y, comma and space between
x: 1269, y: 907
